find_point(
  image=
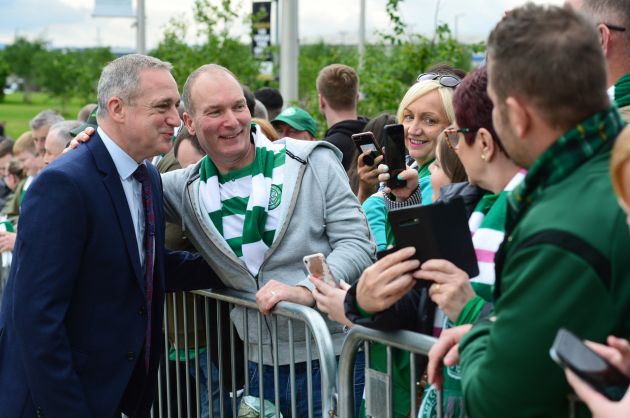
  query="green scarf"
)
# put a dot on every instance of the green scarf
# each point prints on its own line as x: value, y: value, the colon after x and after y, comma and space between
x: 244, y: 204
x: 569, y: 152
x: 622, y: 91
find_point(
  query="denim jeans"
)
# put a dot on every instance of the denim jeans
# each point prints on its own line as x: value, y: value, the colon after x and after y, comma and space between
x: 202, y: 383
x: 301, y: 388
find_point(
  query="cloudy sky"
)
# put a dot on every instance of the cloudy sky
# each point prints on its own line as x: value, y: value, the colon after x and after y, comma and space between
x: 69, y: 22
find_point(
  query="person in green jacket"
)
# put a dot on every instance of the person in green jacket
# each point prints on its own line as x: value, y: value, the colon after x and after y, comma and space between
x: 612, y: 19
x: 564, y: 262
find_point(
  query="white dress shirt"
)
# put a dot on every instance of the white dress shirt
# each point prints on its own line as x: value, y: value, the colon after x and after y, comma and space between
x: 125, y: 165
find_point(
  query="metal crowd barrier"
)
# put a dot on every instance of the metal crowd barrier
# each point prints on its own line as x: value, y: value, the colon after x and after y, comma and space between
x: 379, y: 385
x: 178, y: 394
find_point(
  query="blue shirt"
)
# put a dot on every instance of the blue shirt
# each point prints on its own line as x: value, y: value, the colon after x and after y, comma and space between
x: 125, y: 165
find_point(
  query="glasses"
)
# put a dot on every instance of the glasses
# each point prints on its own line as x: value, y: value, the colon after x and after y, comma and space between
x: 452, y: 136
x: 614, y: 27
x: 444, y: 80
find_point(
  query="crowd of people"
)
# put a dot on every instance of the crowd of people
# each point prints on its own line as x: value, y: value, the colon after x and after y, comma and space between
x: 221, y: 187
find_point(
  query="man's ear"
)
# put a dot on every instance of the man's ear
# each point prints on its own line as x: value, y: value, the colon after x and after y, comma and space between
x: 519, y: 116
x: 116, y: 109
x: 486, y: 143
x: 604, y: 38
x: 322, y: 102
x: 188, y: 123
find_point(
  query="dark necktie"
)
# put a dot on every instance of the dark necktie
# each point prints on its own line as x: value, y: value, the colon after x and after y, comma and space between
x: 141, y: 174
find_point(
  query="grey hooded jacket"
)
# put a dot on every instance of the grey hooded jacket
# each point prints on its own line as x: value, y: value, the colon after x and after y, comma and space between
x: 319, y: 214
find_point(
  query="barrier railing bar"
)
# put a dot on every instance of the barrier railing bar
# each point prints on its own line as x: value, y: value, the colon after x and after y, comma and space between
x: 218, y: 322
x: 233, y: 365
x: 412, y: 384
x: 309, y: 372
x: 177, y: 372
x: 316, y: 324
x: 276, y: 378
x: 208, y: 356
x: 261, y: 370
x: 404, y: 340
x: 197, y: 374
x: 292, y: 369
x: 186, y: 359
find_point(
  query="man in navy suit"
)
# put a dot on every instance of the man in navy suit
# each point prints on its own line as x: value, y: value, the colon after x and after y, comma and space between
x: 81, y: 321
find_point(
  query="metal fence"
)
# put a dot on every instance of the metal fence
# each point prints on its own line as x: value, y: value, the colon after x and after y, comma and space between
x: 198, y: 330
x: 379, y: 384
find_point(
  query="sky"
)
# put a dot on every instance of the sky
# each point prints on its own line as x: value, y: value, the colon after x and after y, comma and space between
x: 68, y: 23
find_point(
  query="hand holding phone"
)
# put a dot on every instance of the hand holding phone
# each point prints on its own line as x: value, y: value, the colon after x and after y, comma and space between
x: 571, y: 352
x: 364, y: 141
x: 318, y: 267
x: 395, y: 154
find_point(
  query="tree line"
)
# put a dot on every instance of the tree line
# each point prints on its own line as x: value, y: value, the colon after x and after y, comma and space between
x: 391, y: 64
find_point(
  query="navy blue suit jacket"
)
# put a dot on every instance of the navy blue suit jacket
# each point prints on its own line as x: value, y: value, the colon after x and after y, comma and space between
x: 72, y: 327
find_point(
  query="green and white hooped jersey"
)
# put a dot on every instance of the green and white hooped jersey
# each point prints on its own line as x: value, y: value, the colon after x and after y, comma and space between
x: 244, y: 204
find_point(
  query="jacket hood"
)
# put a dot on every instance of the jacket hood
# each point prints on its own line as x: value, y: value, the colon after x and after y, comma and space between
x: 348, y: 127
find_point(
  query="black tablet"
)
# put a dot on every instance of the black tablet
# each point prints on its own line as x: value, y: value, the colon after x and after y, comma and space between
x: 437, y: 231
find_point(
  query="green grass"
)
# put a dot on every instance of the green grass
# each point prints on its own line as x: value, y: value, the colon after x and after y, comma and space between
x: 15, y: 114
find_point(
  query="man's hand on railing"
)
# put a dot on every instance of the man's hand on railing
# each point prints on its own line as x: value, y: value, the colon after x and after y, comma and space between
x: 274, y: 291
x: 330, y: 300
x: 445, y: 352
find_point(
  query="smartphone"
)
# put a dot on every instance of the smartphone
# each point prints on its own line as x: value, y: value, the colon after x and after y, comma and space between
x: 395, y: 154
x: 570, y: 351
x: 317, y: 266
x: 364, y: 141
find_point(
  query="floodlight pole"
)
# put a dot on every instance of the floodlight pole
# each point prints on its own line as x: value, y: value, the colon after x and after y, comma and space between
x: 140, y: 28
x: 289, y: 51
x: 361, y: 34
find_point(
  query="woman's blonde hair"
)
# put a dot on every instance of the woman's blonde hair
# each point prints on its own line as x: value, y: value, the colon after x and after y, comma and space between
x: 423, y: 87
x: 619, y: 158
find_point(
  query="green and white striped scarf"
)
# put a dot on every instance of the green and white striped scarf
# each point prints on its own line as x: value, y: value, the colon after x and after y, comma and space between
x: 244, y: 204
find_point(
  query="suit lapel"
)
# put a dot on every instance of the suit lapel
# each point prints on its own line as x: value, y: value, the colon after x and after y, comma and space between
x: 158, y: 208
x: 111, y: 180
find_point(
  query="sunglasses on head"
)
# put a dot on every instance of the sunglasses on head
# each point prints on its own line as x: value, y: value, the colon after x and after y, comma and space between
x: 444, y: 80
x: 452, y: 136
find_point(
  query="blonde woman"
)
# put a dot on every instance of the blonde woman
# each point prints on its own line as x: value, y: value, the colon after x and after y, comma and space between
x: 425, y: 111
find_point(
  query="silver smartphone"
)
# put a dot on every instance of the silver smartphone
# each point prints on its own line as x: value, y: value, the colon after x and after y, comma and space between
x: 318, y: 267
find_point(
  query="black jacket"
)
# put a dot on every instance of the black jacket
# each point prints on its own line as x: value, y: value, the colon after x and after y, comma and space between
x: 340, y: 136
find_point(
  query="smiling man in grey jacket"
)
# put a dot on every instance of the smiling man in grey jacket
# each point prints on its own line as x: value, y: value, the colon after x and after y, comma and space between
x: 254, y: 209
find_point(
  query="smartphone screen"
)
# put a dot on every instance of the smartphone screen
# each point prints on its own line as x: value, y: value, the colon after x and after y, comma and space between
x: 395, y: 154
x: 367, y: 147
x: 364, y: 141
x: 569, y: 351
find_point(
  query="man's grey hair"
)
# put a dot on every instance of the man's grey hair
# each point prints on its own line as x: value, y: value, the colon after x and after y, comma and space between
x: 45, y: 118
x: 121, y: 78
x: 260, y: 111
x: 60, y: 131
x: 612, y: 12
x: 207, y: 68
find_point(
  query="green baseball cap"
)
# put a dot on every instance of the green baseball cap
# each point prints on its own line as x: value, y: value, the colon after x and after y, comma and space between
x: 89, y: 123
x: 298, y: 119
